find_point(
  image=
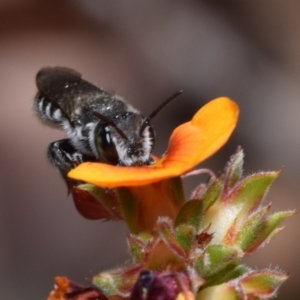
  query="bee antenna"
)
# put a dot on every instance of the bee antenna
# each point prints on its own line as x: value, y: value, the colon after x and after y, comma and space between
x: 165, y: 103
x: 110, y: 122
x: 159, y: 108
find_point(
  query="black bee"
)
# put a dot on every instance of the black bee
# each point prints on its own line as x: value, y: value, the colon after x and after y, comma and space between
x: 100, y: 126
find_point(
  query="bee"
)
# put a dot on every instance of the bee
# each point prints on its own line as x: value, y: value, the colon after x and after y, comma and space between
x: 100, y: 125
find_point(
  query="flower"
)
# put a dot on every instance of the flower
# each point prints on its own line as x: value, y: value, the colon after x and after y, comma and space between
x: 182, y: 249
x: 142, y: 194
x: 190, y: 143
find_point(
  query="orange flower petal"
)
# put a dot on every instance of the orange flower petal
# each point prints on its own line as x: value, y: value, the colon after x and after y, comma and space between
x: 190, y: 143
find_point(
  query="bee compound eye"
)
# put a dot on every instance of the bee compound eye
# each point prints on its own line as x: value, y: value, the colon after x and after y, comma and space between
x: 105, y: 145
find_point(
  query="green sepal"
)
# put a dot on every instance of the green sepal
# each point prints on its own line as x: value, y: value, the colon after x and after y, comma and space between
x: 234, y: 170
x: 214, y: 260
x: 95, y: 203
x: 185, y: 236
x: 177, y: 190
x: 190, y: 214
x: 249, y: 193
x: 212, y: 194
x: 137, y: 245
x: 232, y: 271
x: 129, y: 208
x: 250, y: 230
x: 166, y: 232
x: 263, y: 283
x: 270, y: 226
x: 224, y: 291
x: 118, y: 281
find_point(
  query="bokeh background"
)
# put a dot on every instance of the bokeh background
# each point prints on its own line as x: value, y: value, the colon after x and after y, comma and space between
x: 144, y: 50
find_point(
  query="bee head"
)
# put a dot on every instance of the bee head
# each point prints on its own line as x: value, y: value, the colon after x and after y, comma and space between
x: 126, y: 140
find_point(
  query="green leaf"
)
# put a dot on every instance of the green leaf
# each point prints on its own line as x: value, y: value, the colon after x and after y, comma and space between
x: 234, y: 170
x: 230, y: 272
x: 263, y: 283
x: 214, y: 260
x: 248, y: 194
x: 190, y: 214
x: 270, y: 226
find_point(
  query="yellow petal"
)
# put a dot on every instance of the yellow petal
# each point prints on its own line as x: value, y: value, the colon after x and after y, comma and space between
x: 190, y: 143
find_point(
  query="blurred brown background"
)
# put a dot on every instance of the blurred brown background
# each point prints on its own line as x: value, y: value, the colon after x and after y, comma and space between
x: 145, y: 50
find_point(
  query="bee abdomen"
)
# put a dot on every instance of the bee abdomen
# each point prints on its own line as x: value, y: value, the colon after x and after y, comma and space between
x: 48, y: 110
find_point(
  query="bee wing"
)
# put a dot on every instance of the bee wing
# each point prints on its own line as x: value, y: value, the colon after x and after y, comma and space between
x: 66, y: 88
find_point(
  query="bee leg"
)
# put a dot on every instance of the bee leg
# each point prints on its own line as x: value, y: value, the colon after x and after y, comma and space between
x: 65, y: 157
